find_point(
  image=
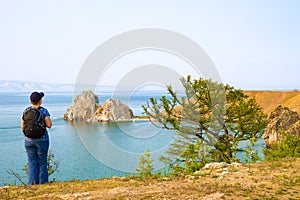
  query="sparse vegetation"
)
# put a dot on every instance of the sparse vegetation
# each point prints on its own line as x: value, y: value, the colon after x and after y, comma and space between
x: 289, y: 146
x: 53, y: 166
x: 268, y: 180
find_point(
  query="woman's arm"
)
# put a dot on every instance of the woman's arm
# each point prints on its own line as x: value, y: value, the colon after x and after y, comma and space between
x: 22, y: 124
x: 48, y: 122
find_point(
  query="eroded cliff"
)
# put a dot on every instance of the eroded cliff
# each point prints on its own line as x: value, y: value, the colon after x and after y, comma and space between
x: 282, y: 119
x: 86, y: 107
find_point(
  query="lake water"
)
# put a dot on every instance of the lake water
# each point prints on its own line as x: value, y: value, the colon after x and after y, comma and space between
x: 85, y: 151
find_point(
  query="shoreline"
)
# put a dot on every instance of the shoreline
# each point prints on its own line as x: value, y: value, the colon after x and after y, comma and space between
x: 134, y: 119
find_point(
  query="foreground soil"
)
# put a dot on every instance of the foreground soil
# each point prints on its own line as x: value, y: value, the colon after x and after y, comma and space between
x: 265, y: 180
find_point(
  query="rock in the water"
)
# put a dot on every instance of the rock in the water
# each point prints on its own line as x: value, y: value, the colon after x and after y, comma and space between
x: 281, y: 119
x: 86, y: 107
x: 83, y: 107
x: 114, y: 110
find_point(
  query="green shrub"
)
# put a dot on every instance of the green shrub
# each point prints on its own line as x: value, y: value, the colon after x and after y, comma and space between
x: 145, y: 166
x: 289, y: 146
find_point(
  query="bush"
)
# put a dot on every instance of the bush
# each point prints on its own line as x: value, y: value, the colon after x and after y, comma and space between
x: 289, y: 146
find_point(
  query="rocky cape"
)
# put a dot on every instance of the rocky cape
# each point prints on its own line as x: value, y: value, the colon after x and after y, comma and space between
x: 282, y: 119
x: 86, y: 107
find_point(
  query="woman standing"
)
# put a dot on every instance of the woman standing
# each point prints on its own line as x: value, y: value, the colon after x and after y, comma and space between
x: 37, y: 147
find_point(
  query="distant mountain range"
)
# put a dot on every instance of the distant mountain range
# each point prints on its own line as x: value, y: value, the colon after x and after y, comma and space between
x: 27, y: 86
x: 24, y: 86
x: 21, y: 86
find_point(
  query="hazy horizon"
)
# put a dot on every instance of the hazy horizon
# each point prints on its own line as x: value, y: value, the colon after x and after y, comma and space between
x: 109, y: 87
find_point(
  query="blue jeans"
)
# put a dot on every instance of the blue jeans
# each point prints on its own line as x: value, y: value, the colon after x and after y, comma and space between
x: 37, y: 153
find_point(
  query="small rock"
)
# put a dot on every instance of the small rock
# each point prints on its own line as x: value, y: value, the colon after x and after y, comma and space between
x: 215, y: 165
x: 225, y: 172
x: 81, y: 194
x: 235, y: 164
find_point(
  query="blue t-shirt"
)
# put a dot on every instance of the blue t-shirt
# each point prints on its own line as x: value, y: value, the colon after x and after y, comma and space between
x: 45, y: 114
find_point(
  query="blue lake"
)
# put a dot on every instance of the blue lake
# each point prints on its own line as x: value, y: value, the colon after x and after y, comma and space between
x: 85, y: 151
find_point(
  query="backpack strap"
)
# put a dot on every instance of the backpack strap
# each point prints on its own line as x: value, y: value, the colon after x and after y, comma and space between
x: 28, y: 108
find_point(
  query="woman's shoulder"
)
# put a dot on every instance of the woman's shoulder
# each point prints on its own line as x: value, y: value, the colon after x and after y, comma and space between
x: 44, y: 111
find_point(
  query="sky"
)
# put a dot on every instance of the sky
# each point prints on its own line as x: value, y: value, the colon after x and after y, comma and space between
x: 253, y: 44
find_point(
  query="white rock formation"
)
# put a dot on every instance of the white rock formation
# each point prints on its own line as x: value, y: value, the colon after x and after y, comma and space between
x: 86, y: 107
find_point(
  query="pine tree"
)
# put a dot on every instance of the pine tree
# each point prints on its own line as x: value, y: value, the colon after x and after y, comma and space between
x: 145, y: 166
x: 209, y: 113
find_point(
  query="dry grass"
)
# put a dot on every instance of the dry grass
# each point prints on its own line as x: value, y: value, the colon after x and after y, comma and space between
x: 265, y: 180
x: 269, y: 100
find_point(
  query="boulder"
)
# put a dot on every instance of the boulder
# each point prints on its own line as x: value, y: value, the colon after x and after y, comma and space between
x: 282, y: 119
x: 215, y: 165
x: 86, y: 107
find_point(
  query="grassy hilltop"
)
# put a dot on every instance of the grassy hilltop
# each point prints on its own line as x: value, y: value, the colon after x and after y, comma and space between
x: 269, y: 100
x: 264, y: 180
